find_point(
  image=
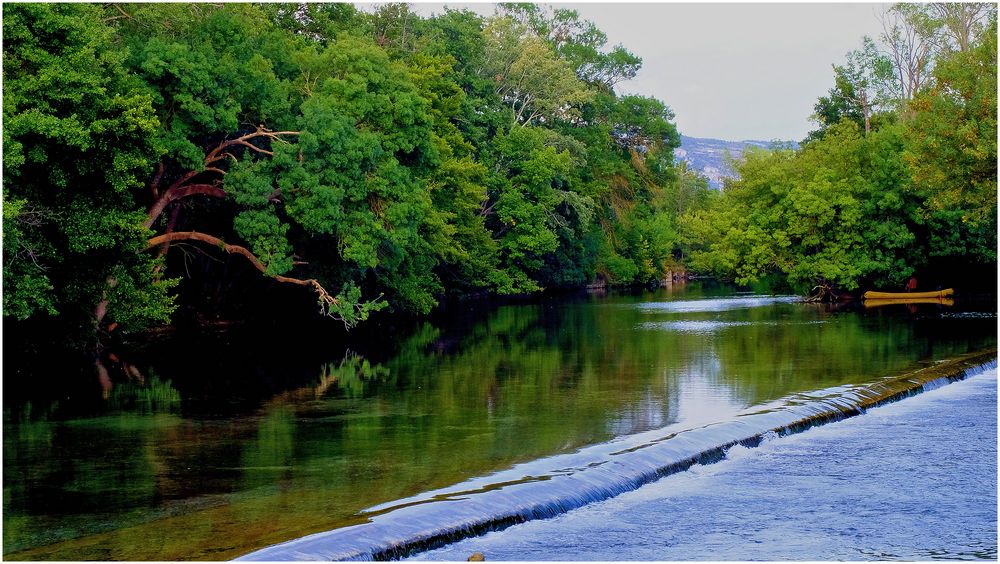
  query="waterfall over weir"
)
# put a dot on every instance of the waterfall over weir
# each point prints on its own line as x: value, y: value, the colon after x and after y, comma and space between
x: 554, y: 485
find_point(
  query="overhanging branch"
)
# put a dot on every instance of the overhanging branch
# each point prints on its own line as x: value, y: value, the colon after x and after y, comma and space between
x: 177, y: 192
x: 329, y: 304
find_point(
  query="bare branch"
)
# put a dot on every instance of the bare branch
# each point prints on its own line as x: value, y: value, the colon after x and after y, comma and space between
x: 124, y: 15
x: 177, y: 192
x: 485, y: 211
x: 217, y: 154
x: 325, y: 299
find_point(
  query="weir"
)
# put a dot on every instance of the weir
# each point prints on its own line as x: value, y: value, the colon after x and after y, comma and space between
x: 548, y: 487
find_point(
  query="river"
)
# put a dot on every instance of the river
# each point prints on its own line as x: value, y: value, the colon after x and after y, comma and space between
x: 227, y: 445
x: 914, y: 480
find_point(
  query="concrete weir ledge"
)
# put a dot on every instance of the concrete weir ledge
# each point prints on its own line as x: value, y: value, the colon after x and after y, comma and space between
x: 551, y: 486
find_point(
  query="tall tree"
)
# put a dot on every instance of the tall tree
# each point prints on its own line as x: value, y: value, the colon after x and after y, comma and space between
x: 913, y: 38
x: 953, y: 148
x: 866, y: 81
x: 529, y: 76
x: 864, y: 90
x: 79, y: 139
x: 963, y: 22
x: 579, y: 42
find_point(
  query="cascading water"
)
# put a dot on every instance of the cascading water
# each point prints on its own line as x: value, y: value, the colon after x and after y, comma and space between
x: 555, y: 485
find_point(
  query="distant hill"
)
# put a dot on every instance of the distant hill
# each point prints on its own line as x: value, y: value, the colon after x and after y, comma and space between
x: 708, y: 156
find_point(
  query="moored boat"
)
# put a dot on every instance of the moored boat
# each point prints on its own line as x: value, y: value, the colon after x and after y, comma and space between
x: 908, y: 301
x: 870, y: 295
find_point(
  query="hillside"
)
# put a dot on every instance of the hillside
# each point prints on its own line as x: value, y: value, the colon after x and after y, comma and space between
x: 708, y: 156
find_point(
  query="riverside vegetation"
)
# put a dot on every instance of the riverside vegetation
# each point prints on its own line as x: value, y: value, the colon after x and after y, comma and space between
x: 167, y: 155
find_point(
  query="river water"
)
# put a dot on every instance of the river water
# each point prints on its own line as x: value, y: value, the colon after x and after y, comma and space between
x: 235, y: 444
x: 913, y: 480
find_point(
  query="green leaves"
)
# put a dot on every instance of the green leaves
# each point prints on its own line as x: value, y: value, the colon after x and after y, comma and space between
x: 800, y: 214
x: 372, y: 154
x: 953, y: 153
x: 525, y: 201
x: 528, y: 76
x: 78, y: 134
x: 852, y: 210
x: 27, y: 288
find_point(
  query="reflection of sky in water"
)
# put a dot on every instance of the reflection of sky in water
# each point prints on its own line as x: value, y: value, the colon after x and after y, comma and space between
x: 706, y: 327
x: 706, y: 397
x: 697, y: 394
x: 694, y: 306
x: 650, y: 412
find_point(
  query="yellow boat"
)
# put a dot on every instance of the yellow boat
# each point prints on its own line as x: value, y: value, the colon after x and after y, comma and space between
x: 907, y: 301
x: 908, y: 295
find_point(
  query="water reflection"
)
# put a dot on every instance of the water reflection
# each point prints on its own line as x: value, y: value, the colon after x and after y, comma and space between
x: 210, y: 459
x: 716, y: 305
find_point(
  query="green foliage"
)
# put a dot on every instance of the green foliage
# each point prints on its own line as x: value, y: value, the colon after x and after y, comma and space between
x: 642, y: 124
x: 953, y: 153
x: 78, y: 143
x: 209, y: 72
x: 349, y: 308
x: 320, y: 22
x: 865, y: 90
x: 379, y: 159
x: 529, y: 76
x: 916, y: 192
x: 525, y: 196
x: 578, y: 42
x: 832, y: 213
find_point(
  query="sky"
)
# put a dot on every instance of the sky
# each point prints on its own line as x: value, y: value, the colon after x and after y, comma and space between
x: 730, y: 71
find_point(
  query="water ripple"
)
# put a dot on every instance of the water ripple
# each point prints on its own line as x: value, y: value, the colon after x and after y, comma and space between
x: 715, y: 305
x: 711, y: 326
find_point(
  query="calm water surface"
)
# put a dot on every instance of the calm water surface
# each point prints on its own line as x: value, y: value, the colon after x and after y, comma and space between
x: 177, y: 457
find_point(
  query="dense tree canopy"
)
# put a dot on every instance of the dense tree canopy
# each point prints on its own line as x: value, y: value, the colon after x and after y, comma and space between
x: 900, y: 178
x: 159, y: 152
x: 202, y: 156
x: 80, y: 133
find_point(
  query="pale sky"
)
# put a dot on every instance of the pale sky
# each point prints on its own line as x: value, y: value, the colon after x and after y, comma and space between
x: 730, y: 71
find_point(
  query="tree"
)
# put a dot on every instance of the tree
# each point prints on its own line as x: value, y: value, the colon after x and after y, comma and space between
x: 369, y: 158
x: 79, y: 135
x: 579, y: 42
x: 643, y: 124
x: 864, y: 92
x: 335, y: 175
x: 529, y: 77
x: 913, y: 38
x: 963, y: 23
x: 523, y: 201
x: 916, y: 192
x: 833, y: 214
x: 866, y: 81
x: 833, y: 108
x: 953, y: 149
x: 319, y: 22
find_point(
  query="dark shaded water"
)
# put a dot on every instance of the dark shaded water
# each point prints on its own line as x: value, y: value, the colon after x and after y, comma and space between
x: 190, y: 459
